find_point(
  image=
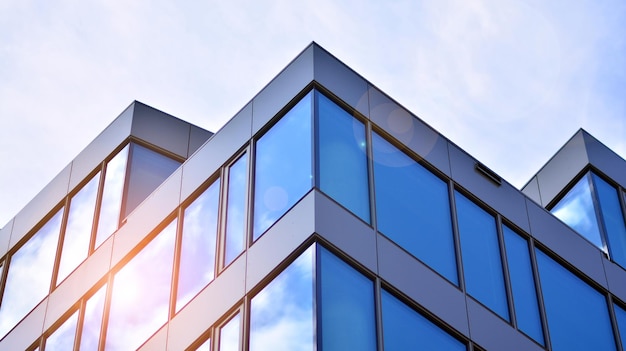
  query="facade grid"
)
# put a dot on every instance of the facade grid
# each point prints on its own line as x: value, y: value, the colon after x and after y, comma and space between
x: 322, y: 216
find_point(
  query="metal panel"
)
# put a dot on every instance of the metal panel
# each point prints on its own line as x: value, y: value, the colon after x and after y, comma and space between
x: 616, y: 277
x: 605, y: 159
x: 532, y: 190
x: 504, y: 198
x: 409, y: 130
x: 158, y: 341
x: 566, y: 243
x: 346, y: 231
x: 160, y: 129
x: 5, y: 237
x: 282, y: 89
x: 422, y: 284
x: 197, y: 137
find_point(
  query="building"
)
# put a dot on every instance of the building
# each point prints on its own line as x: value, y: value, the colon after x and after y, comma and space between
x: 323, y: 215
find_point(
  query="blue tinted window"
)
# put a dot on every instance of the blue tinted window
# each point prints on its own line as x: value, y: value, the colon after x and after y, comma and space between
x: 523, y: 285
x: 578, y: 316
x: 284, y: 308
x: 413, y: 208
x: 347, y: 306
x: 29, y: 274
x: 197, y: 253
x: 283, y: 166
x: 613, y: 219
x: 62, y: 339
x: 405, y: 329
x: 236, y: 209
x: 576, y: 210
x: 342, y: 157
x: 482, y: 265
x: 620, y: 316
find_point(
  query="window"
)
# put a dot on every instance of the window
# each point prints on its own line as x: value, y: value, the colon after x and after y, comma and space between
x: 92, y: 320
x: 523, y: 285
x: 236, y: 209
x: 405, y: 329
x: 140, y: 293
x: 29, y: 274
x: 283, y: 166
x: 342, y: 157
x: 115, y: 173
x: 64, y: 336
x: 480, y: 249
x: 620, y: 317
x: 577, y: 315
x: 198, y: 245
x: 284, y: 309
x: 613, y: 219
x: 229, y: 334
x: 413, y: 208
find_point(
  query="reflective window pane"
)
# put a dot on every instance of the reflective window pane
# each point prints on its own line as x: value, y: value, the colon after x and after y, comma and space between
x: 197, y: 253
x: 148, y: 169
x: 112, y: 196
x: 613, y: 219
x: 405, y: 329
x: 140, y: 294
x: 347, y: 306
x: 206, y: 346
x: 576, y: 210
x: 281, y: 315
x: 413, y: 208
x: 523, y: 285
x: 92, y: 322
x: 482, y: 264
x: 283, y: 164
x: 62, y: 339
x: 342, y: 157
x: 78, y: 228
x: 577, y: 314
x: 29, y: 274
x: 620, y: 316
x: 236, y: 209
x: 229, y: 335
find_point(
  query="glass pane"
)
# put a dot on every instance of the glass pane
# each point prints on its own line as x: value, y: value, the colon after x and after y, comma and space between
x: 347, y: 306
x: 405, y: 329
x: 578, y: 316
x: 523, y: 285
x: 141, y: 292
x: 78, y: 229
x: 283, y: 171
x: 482, y: 265
x: 229, y: 335
x: 112, y: 196
x: 148, y: 169
x: 613, y: 219
x: 577, y: 211
x: 413, y: 208
x: 236, y: 209
x: 620, y: 316
x: 29, y: 274
x: 197, y: 257
x: 62, y: 339
x: 343, y: 157
x: 281, y: 315
x: 205, y: 347
x: 92, y: 322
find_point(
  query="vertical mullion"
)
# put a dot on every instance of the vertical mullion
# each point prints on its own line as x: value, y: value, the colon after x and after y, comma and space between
x: 105, y: 312
x: 57, y: 258
x: 505, y: 270
x: 98, y: 207
x: 598, y: 211
x: 457, y: 236
x: 124, y: 202
x: 176, y: 263
x: 378, y: 310
x: 539, y: 292
x: 614, y: 321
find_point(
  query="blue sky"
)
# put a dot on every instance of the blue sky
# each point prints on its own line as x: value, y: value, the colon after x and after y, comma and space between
x: 509, y: 81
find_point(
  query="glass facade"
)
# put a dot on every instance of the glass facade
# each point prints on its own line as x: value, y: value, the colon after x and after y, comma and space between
x: 236, y: 209
x: 229, y: 334
x: 64, y: 337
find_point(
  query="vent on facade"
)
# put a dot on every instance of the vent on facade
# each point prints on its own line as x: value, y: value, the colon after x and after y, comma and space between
x: 491, y: 175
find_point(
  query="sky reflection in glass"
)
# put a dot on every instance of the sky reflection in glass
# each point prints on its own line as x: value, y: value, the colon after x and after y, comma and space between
x: 30, y: 273
x: 197, y: 255
x: 140, y: 294
x: 576, y: 210
x: 405, y: 329
x: 236, y: 209
x: 281, y: 315
x: 343, y: 157
x: 577, y: 314
x: 482, y: 264
x: 283, y: 171
x: 523, y: 285
x: 413, y: 208
x: 62, y: 339
x: 347, y: 306
x: 78, y: 228
x: 92, y: 322
x: 229, y: 334
x: 206, y: 346
x: 111, y: 203
x: 613, y: 219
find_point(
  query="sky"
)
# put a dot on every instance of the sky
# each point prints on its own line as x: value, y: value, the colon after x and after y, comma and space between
x: 509, y: 81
